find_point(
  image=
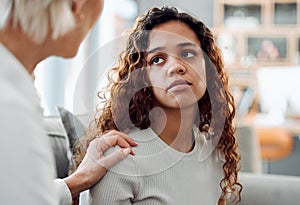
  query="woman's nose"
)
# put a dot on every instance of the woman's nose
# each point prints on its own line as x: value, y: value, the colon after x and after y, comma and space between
x: 176, y: 66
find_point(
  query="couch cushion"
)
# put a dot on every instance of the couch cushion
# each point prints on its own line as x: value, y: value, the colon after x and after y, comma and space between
x: 265, y: 189
x: 59, y: 142
x: 249, y: 149
x: 63, y: 132
x: 72, y: 124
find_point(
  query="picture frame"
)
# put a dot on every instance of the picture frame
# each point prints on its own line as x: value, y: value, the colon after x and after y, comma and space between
x: 285, y: 13
x: 297, y: 54
x: 298, y: 44
x: 267, y: 48
x: 242, y: 16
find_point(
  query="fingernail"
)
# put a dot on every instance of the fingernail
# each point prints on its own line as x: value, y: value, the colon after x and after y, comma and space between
x: 126, y: 131
x: 126, y: 151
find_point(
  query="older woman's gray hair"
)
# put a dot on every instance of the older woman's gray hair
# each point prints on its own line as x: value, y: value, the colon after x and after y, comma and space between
x: 37, y: 17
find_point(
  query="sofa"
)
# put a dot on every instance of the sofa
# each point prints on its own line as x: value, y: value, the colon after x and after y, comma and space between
x: 268, y: 189
x: 258, y: 189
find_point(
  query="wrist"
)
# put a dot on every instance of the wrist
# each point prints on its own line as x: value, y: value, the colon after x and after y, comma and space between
x: 76, y: 183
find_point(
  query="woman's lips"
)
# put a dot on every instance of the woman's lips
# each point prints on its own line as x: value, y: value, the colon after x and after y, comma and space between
x: 178, y: 85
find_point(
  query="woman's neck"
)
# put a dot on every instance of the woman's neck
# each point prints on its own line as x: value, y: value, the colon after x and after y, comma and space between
x: 23, y: 48
x: 174, y: 127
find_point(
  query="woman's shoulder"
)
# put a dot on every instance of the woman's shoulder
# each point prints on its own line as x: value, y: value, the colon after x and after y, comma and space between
x: 147, y: 145
x: 142, y: 134
x: 148, y: 142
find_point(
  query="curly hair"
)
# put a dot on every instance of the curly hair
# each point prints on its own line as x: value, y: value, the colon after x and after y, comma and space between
x: 129, y: 86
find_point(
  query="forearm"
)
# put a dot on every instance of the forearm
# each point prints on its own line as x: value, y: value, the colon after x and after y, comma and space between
x: 77, y: 183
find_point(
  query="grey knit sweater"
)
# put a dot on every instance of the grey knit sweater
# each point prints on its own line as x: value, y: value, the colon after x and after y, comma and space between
x: 159, y: 175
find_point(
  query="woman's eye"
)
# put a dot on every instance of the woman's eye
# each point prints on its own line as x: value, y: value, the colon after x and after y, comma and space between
x: 157, y: 60
x: 188, y: 54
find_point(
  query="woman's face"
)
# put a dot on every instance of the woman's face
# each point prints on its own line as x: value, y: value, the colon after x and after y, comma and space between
x: 176, y: 65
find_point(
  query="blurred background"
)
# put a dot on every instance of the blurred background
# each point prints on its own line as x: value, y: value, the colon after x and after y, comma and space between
x: 260, y: 42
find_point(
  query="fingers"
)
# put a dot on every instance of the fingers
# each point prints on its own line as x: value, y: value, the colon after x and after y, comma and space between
x: 126, y: 137
x: 114, y: 138
x: 112, y: 141
x: 122, y: 135
x: 115, y: 157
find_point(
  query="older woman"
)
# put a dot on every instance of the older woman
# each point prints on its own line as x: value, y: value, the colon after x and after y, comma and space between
x: 30, y: 31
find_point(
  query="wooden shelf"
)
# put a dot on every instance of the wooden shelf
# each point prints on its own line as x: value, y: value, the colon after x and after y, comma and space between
x: 256, y: 33
x: 251, y: 39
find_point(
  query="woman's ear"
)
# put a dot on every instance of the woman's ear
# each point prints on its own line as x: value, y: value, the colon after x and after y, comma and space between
x: 77, y: 5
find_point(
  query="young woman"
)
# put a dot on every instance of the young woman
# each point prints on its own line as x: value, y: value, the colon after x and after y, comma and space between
x: 171, y: 91
x: 30, y: 31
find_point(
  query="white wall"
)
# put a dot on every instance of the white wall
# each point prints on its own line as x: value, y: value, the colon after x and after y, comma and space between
x: 202, y: 9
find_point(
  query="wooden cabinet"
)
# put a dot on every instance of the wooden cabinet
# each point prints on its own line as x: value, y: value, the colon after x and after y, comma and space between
x: 256, y: 33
